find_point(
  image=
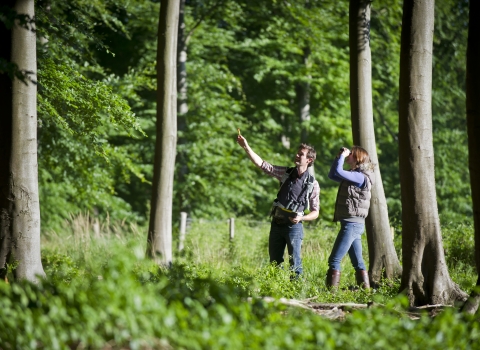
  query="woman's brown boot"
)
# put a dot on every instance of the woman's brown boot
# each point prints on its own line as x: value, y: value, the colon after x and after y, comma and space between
x: 362, y: 279
x: 333, y: 278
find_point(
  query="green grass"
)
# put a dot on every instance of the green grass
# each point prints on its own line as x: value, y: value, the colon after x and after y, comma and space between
x: 208, y: 252
x: 101, y: 292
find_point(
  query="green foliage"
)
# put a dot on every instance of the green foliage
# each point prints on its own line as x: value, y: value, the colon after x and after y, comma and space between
x: 60, y: 267
x: 103, y: 293
x: 453, y: 185
x: 448, y: 104
x: 245, y: 65
x: 78, y: 163
x: 243, y: 73
x: 386, y: 21
x: 81, y: 107
x: 459, y: 247
x: 448, y: 108
x: 84, y: 121
x: 208, y: 252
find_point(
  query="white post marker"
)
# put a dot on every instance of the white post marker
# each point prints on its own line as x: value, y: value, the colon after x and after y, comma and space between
x: 232, y: 228
x: 183, y: 230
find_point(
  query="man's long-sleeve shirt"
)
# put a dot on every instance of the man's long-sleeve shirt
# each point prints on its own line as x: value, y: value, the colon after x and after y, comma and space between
x: 278, y: 172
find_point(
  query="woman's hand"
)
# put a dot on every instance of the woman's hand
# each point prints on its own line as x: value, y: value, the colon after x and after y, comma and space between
x: 345, y: 151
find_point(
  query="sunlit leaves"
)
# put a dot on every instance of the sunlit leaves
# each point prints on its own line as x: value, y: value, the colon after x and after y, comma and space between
x: 81, y: 106
x: 244, y: 62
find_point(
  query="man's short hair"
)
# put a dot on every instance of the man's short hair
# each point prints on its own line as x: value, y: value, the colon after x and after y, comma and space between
x: 311, y: 153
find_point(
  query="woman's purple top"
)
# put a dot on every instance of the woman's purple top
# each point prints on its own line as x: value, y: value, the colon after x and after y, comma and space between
x: 338, y: 174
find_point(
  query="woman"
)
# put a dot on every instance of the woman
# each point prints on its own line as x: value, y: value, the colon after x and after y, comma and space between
x: 351, y: 209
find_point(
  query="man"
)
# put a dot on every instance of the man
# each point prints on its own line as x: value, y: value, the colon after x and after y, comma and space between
x: 299, y: 193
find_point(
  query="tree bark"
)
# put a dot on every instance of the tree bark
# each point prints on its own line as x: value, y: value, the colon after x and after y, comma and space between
x: 23, y: 186
x: 425, y: 278
x: 473, y: 130
x: 5, y: 150
x: 303, y: 98
x: 182, y: 105
x: 383, y: 259
x: 182, y: 64
x: 159, y: 243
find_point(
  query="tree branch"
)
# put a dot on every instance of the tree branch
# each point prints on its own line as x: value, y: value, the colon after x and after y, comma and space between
x: 201, y: 19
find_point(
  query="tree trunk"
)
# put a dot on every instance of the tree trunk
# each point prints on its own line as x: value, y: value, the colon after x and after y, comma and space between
x: 182, y: 64
x: 6, y: 150
x: 303, y: 97
x: 23, y: 161
x: 159, y: 243
x: 473, y: 129
x: 425, y: 278
x: 383, y: 258
x: 182, y: 104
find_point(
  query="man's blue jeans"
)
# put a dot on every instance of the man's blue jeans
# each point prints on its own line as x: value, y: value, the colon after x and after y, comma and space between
x: 349, y: 240
x: 288, y: 235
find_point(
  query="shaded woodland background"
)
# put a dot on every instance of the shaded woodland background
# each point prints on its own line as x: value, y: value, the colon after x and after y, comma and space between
x: 248, y: 65
x: 278, y: 71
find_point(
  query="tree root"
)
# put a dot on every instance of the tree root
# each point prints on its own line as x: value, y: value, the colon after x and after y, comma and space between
x: 471, y: 305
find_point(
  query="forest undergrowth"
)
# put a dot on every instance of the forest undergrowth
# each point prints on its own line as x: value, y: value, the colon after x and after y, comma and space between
x: 101, y: 292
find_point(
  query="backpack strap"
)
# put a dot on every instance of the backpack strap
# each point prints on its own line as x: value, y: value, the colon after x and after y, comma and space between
x: 286, y: 175
x: 284, y: 178
x: 310, y: 185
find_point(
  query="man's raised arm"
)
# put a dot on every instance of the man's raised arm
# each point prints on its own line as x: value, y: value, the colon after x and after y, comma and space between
x: 255, y: 158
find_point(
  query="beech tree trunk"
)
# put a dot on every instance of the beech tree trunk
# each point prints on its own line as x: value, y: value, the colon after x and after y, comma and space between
x: 182, y: 63
x: 473, y: 129
x: 23, y: 240
x: 159, y: 243
x: 383, y: 258
x: 425, y: 278
x: 303, y: 98
x: 5, y: 150
x: 182, y: 105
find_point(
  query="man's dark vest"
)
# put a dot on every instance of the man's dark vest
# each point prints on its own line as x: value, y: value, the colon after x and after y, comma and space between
x: 353, y: 201
x: 295, y: 191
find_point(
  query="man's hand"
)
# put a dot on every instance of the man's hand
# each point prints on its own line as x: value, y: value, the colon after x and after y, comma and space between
x: 309, y: 217
x: 255, y: 158
x: 296, y: 219
x: 242, y: 141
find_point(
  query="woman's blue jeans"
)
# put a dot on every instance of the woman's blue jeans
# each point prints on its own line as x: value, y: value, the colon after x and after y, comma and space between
x: 349, y: 240
x: 288, y: 235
